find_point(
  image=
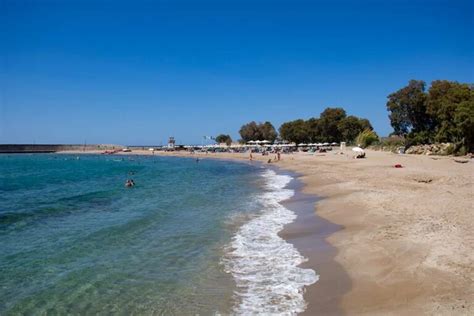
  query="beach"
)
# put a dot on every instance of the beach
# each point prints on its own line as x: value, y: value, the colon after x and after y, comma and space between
x: 385, y: 240
x: 405, y: 243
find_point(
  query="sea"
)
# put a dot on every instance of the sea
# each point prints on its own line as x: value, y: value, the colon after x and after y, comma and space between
x: 191, y: 237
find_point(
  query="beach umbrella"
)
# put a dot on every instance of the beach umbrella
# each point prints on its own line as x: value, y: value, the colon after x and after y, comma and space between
x: 326, y: 144
x: 319, y: 144
x: 265, y: 141
x: 334, y: 144
x: 251, y: 142
x: 302, y: 144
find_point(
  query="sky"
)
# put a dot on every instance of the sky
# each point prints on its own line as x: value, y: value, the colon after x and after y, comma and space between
x: 137, y: 72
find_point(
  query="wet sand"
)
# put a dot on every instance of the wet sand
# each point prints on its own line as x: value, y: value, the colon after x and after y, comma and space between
x: 308, y: 233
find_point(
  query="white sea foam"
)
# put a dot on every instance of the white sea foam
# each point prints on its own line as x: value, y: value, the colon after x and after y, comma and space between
x: 265, y: 266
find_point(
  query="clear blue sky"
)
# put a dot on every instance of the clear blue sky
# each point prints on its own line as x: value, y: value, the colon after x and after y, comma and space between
x: 137, y: 72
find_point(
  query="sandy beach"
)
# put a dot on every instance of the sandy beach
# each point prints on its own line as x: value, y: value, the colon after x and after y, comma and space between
x: 404, y: 237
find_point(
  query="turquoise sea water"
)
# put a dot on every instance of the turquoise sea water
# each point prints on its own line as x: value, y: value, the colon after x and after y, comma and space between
x: 183, y: 241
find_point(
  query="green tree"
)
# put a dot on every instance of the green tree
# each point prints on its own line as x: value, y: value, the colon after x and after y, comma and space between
x: 313, y: 129
x: 222, y: 138
x: 407, y: 108
x: 250, y: 131
x: 261, y: 131
x: 365, y: 124
x: 464, y: 119
x: 351, y: 126
x: 268, y: 131
x: 449, y: 103
x: 328, y: 124
x: 294, y: 131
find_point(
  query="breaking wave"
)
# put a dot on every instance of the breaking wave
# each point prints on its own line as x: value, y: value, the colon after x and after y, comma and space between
x: 265, y: 266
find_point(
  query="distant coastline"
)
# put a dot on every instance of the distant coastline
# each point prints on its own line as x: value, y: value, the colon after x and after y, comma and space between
x: 51, y: 148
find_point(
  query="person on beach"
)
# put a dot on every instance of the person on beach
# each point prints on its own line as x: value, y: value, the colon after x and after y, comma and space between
x: 250, y: 157
x: 278, y: 156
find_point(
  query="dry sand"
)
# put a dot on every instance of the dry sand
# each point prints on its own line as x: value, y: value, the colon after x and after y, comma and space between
x: 406, y: 246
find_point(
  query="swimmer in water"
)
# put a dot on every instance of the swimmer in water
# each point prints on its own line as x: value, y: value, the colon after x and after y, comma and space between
x: 129, y: 183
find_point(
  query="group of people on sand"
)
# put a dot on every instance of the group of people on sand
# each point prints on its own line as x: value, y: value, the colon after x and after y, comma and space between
x: 277, y: 156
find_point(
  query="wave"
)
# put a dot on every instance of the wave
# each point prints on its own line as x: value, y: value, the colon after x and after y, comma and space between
x: 265, y: 266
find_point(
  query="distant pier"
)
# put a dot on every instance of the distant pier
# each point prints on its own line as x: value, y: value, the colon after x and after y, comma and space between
x: 51, y: 148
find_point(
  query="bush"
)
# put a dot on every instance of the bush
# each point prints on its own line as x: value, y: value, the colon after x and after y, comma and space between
x: 450, y: 150
x: 366, y: 138
x: 391, y: 143
x: 462, y: 151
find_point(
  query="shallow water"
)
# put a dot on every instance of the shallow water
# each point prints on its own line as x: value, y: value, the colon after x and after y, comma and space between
x: 75, y: 240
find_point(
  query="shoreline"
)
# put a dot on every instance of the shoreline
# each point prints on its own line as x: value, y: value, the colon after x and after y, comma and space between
x: 408, y: 240
x: 308, y: 233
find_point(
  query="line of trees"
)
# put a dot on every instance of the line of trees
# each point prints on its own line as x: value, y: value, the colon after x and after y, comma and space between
x: 444, y: 113
x: 333, y: 125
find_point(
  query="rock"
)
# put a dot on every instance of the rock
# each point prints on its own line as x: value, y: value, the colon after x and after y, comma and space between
x: 430, y: 149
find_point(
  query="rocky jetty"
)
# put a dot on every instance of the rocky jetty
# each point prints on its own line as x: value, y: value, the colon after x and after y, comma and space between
x: 432, y: 149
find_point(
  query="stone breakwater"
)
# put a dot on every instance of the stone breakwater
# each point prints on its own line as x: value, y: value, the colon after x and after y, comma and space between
x: 434, y: 149
x: 47, y: 148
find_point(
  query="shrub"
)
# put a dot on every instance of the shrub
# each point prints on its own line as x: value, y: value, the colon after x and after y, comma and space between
x: 450, y: 149
x: 366, y: 138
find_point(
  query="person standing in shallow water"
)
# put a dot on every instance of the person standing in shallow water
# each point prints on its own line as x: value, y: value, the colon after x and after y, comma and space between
x: 250, y: 157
